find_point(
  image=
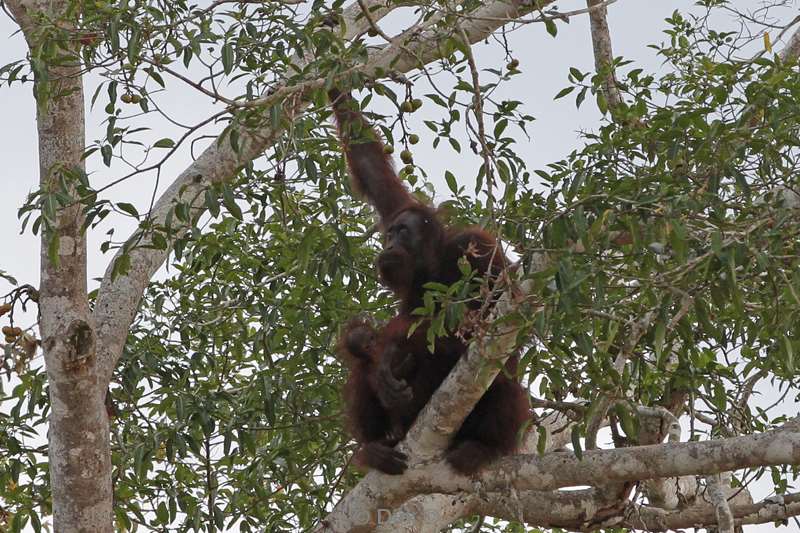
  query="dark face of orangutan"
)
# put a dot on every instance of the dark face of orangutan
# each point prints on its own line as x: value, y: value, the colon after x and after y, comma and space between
x: 403, y: 257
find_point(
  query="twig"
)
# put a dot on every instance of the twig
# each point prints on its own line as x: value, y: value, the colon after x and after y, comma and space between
x: 477, y: 108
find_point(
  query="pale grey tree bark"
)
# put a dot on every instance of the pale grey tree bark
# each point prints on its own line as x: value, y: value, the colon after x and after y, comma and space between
x: 80, y: 456
x: 82, y: 348
x: 603, y: 55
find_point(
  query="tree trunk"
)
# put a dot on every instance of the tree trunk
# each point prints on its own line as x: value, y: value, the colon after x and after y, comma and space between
x: 80, y: 453
x: 79, y: 441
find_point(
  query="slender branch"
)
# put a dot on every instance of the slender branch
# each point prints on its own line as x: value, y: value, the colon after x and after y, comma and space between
x: 557, y: 470
x: 477, y: 108
x: 603, y: 54
x: 564, y: 469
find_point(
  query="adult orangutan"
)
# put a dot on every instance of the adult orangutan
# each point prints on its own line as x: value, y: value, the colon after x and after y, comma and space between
x: 392, y: 374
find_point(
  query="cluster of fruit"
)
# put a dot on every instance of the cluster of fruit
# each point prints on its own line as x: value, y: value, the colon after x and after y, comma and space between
x: 11, y: 333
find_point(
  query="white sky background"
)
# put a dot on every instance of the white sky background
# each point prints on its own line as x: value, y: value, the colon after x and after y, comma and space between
x: 544, y: 62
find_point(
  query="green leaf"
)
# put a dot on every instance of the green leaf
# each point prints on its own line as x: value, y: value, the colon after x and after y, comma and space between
x: 122, y: 264
x: 720, y: 397
x: 106, y: 152
x: 789, y: 354
x: 164, y: 143
x: 451, y: 181
x: 159, y: 241
x: 581, y: 97
x: 550, y: 25
x: 541, y: 442
x: 162, y: 513
x: 627, y: 421
x: 8, y: 277
x: 227, y: 57
x: 230, y: 202
x: 134, y: 45
x: 602, y: 103
x: 128, y: 208
x: 212, y: 201
x: 564, y: 92
x: 658, y: 342
x: 576, y: 74
x: 219, y: 517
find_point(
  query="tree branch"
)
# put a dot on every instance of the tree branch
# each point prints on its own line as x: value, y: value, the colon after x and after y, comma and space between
x: 584, y: 510
x: 429, y: 513
x: 437, y: 511
x: 603, y: 54
x: 564, y: 469
x: 652, y: 519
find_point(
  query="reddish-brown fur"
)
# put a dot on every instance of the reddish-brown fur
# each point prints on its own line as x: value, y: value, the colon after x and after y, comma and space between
x: 392, y: 375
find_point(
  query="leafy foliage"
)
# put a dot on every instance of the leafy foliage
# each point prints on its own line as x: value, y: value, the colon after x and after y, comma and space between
x: 671, y: 239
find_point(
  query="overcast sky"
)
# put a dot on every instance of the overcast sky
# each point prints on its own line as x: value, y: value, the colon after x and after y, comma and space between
x: 544, y: 62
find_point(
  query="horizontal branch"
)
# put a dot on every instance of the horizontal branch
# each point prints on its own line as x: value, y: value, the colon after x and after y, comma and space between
x: 434, y: 512
x: 586, y: 510
x: 556, y: 470
x: 564, y: 469
x: 652, y: 519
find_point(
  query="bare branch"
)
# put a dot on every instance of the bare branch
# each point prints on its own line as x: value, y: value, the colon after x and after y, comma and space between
x: 769, y: 510
x: 437, y: 511
x: 585, y: 510
x: 518, y: 478
x: 563, y: 469
x: 603, y: 54
x: 477, y: 109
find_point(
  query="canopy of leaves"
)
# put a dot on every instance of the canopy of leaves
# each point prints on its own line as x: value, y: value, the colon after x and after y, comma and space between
x: 671, y: 240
